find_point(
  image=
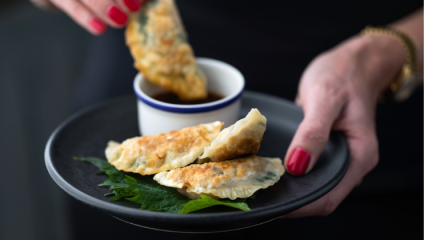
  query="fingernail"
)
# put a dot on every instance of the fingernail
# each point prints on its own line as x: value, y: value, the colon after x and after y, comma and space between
x: 117, y: 15
x: 98, y: 25
x: 298, y: 162
x: 133, y: 5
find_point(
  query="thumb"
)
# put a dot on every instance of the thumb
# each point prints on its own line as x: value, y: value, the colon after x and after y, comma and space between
x: 312, y: 135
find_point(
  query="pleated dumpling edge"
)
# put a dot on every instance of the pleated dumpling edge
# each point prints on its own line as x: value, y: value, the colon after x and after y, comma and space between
x: 158, y: 43
x: 148, y: 155
x: 238, y: 178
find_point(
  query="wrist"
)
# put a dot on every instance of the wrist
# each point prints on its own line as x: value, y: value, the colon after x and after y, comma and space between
x: 380, y: 59
x: 412, y: 26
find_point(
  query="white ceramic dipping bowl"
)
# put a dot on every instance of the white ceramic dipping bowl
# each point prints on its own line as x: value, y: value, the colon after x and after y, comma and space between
x: 159, y: 117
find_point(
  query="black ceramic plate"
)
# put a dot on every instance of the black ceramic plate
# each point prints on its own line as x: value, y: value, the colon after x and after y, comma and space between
x: 87, y: 133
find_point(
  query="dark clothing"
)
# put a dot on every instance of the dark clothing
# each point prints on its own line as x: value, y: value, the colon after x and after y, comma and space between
x: 271, y: 43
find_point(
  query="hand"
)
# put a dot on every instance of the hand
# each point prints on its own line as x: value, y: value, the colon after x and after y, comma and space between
x: 339, y: 91
x: 95, y: 15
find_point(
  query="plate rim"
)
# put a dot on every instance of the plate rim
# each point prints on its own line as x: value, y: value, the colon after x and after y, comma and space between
x: 267, y: 212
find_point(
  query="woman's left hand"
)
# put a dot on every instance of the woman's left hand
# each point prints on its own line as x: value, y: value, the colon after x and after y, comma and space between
x: 339, y: 91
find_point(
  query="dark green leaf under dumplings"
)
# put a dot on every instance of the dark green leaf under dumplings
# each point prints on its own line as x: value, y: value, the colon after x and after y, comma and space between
x: 151, y: 195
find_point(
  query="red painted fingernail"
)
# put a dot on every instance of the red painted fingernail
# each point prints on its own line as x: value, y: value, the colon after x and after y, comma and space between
x: 298, y: 162
x: 133, y: 5
x: 117, y: 15
x: 98, y: 25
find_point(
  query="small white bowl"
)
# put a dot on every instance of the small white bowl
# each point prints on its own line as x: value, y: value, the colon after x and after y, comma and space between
x: 156, y: 117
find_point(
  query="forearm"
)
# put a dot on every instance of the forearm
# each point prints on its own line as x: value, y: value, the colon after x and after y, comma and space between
x: 412, y: 26
x: 383, y: 56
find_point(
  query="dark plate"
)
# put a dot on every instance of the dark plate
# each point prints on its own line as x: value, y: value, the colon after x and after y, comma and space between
x: 87, y: 133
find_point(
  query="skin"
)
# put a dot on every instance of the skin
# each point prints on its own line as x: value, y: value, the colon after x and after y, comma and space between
x: 84, y: 11
x: 338, y: 91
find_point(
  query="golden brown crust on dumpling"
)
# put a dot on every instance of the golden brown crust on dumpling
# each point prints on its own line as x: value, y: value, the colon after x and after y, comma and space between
x: 161, y: 52
x: 152, y: 154
x: 216, y: 172
x: 238, y: 178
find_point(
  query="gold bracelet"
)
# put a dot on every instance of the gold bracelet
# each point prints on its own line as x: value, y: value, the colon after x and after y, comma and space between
x: 408, y: 77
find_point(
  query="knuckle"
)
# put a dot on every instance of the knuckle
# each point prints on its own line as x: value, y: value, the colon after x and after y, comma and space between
x: 371, y: 155
x: 314, y: 132
x: 332, y: 86
x: 358, y: 182
x: 78, y: 10
x: 98, y: 6
x: 329, y: 206
x: 92, y: 3
x: 54, y: 2
x: 375, y: 158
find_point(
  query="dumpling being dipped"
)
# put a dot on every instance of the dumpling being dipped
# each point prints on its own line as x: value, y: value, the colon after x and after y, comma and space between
x: 152, y: 154
x: 240, y: 139
x: 159, y: 46
x: 238, y: 178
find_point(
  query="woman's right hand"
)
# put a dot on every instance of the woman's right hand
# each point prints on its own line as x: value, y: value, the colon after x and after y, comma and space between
x: 95, y: 15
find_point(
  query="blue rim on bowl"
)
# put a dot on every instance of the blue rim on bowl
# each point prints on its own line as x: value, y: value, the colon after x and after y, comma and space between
x: 194, y: 108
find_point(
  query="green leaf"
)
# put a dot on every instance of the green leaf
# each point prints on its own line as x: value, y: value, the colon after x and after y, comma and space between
x: 153, y: 196
x: 206, y: 201
x: 150, y: 194
x: 115, y: 176
x: 103, y: 165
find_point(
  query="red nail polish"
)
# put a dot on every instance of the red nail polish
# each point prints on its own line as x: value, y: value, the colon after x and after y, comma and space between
x: 298, y: 162
x: 133, y: 5
x: 98, y: 25
x: 117, y: 15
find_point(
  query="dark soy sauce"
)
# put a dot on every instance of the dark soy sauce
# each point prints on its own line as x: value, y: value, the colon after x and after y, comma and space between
x: 172, y: 98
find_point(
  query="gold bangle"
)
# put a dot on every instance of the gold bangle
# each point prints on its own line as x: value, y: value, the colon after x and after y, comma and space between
x: 408, y: 77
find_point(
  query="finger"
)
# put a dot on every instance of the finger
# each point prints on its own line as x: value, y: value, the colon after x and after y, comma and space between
x: 129, y: 5
x: 44, y: 4
x: 359, y: 129
x: 364, y: 157
x: 328, y: 203
x: 83, y: 16
x: 321, y: 108
x: 108, y: 11
x: 297, y: 100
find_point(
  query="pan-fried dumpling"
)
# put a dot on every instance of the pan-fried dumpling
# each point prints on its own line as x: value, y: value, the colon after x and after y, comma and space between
x: 240, y: 139
x: 158, y: 44
x: 238, y: 178
x: 152, y: 154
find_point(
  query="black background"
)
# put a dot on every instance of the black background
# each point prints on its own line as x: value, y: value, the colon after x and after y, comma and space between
x: 50, y: 68
x: 271, y: 43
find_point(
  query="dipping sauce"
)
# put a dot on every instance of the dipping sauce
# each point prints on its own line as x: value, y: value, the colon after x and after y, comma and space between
x: 172, y: 98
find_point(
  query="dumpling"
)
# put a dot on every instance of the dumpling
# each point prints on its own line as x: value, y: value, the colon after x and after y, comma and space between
x: 158, y: 44
x: 238, y: 178
x: 152, y: 154
x: 240, y: 139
